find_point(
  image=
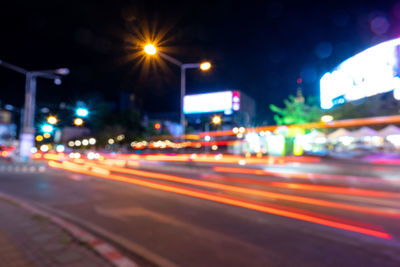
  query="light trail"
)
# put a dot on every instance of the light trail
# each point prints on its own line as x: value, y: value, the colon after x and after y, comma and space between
x: 248, y: 191
x: 332, y: 124
x: 226, y: 158
x: 317, y: 188
x: 229, y: 201
x: 300, y: 175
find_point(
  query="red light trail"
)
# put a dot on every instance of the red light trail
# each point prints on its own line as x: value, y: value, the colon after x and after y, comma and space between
x: 226, y: 200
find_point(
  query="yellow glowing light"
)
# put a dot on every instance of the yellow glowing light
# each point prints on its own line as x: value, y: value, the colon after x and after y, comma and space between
x: 52, y: 120
x: 326, y: 118
x: 78, y: 121
x: 150, y: 49
x: 39, y: 138
x: 46, y: 135
x: 205, y: 65
x: 216, y: 120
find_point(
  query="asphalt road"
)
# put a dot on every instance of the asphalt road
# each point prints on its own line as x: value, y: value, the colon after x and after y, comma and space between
x: 295, y: 214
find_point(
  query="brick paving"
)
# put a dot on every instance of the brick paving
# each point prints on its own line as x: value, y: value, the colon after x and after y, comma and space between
x: 29, y: 240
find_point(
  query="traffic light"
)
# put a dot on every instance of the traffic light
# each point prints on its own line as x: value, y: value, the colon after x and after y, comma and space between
x: 157, y: 126
x: 82, y: 112
x: 52, y: 119
x: 78, y: 122
x: 47, y: 128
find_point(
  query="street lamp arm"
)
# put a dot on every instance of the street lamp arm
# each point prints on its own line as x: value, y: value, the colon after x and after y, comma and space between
x: 171, y: 59
x: 13, y: 67
x: 191, y: 65
x: 60, y: 71
x: 47, y: 75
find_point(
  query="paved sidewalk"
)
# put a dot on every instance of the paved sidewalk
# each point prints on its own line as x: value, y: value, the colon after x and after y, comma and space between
x: 29, y: 240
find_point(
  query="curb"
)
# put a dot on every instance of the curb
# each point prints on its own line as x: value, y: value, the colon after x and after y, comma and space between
x: 106, y: 250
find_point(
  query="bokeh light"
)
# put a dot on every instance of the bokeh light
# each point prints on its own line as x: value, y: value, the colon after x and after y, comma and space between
x: 323, y: 50
x: 379, y: 25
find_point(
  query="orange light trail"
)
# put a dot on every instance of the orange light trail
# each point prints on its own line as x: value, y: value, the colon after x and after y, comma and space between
x: 248, y: 191
x: 196, y: 144
x: 317, y: 188
x: 229, y: 201
x: 226, y: 158
x: 332, y: 124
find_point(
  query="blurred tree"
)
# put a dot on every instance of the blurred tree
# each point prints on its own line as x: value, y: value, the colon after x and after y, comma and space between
x: 109, y: 123
x: 297, y: 110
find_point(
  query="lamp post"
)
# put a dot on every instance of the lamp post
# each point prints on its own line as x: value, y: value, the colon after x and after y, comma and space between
x: 150, y: 49
x: 27, y: 133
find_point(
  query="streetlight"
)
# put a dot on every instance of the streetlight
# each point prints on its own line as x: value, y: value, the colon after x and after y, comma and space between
x: 205, y: 66
x: 216, y: 120
x: 27, y: 134
x: 151, y: 49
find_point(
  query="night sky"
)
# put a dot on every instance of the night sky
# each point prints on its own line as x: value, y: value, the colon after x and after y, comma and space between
x: 259, y: 47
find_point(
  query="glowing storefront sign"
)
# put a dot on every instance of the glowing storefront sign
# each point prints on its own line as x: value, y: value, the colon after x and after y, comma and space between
x: 371, y: 72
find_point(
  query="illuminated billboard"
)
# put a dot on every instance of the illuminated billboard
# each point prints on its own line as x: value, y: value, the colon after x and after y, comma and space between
x: 371, y: 72
x: 225, y: 101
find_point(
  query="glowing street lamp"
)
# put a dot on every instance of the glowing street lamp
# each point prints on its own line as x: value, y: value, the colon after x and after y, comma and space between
x: 216, y: 120
x: 205, y: 66
x: 151, y: 49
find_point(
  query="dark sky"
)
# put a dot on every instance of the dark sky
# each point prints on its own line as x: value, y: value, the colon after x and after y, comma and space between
x: 259, y: 47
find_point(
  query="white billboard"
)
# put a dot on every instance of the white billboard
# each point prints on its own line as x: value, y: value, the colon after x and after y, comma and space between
x: 371, y: 72
x: 225, y: 101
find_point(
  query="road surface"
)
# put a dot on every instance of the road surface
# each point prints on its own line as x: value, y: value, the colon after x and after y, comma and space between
x: 207, y: 214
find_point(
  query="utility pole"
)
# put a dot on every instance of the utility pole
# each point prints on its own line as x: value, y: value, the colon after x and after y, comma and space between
x: 27, y: 134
